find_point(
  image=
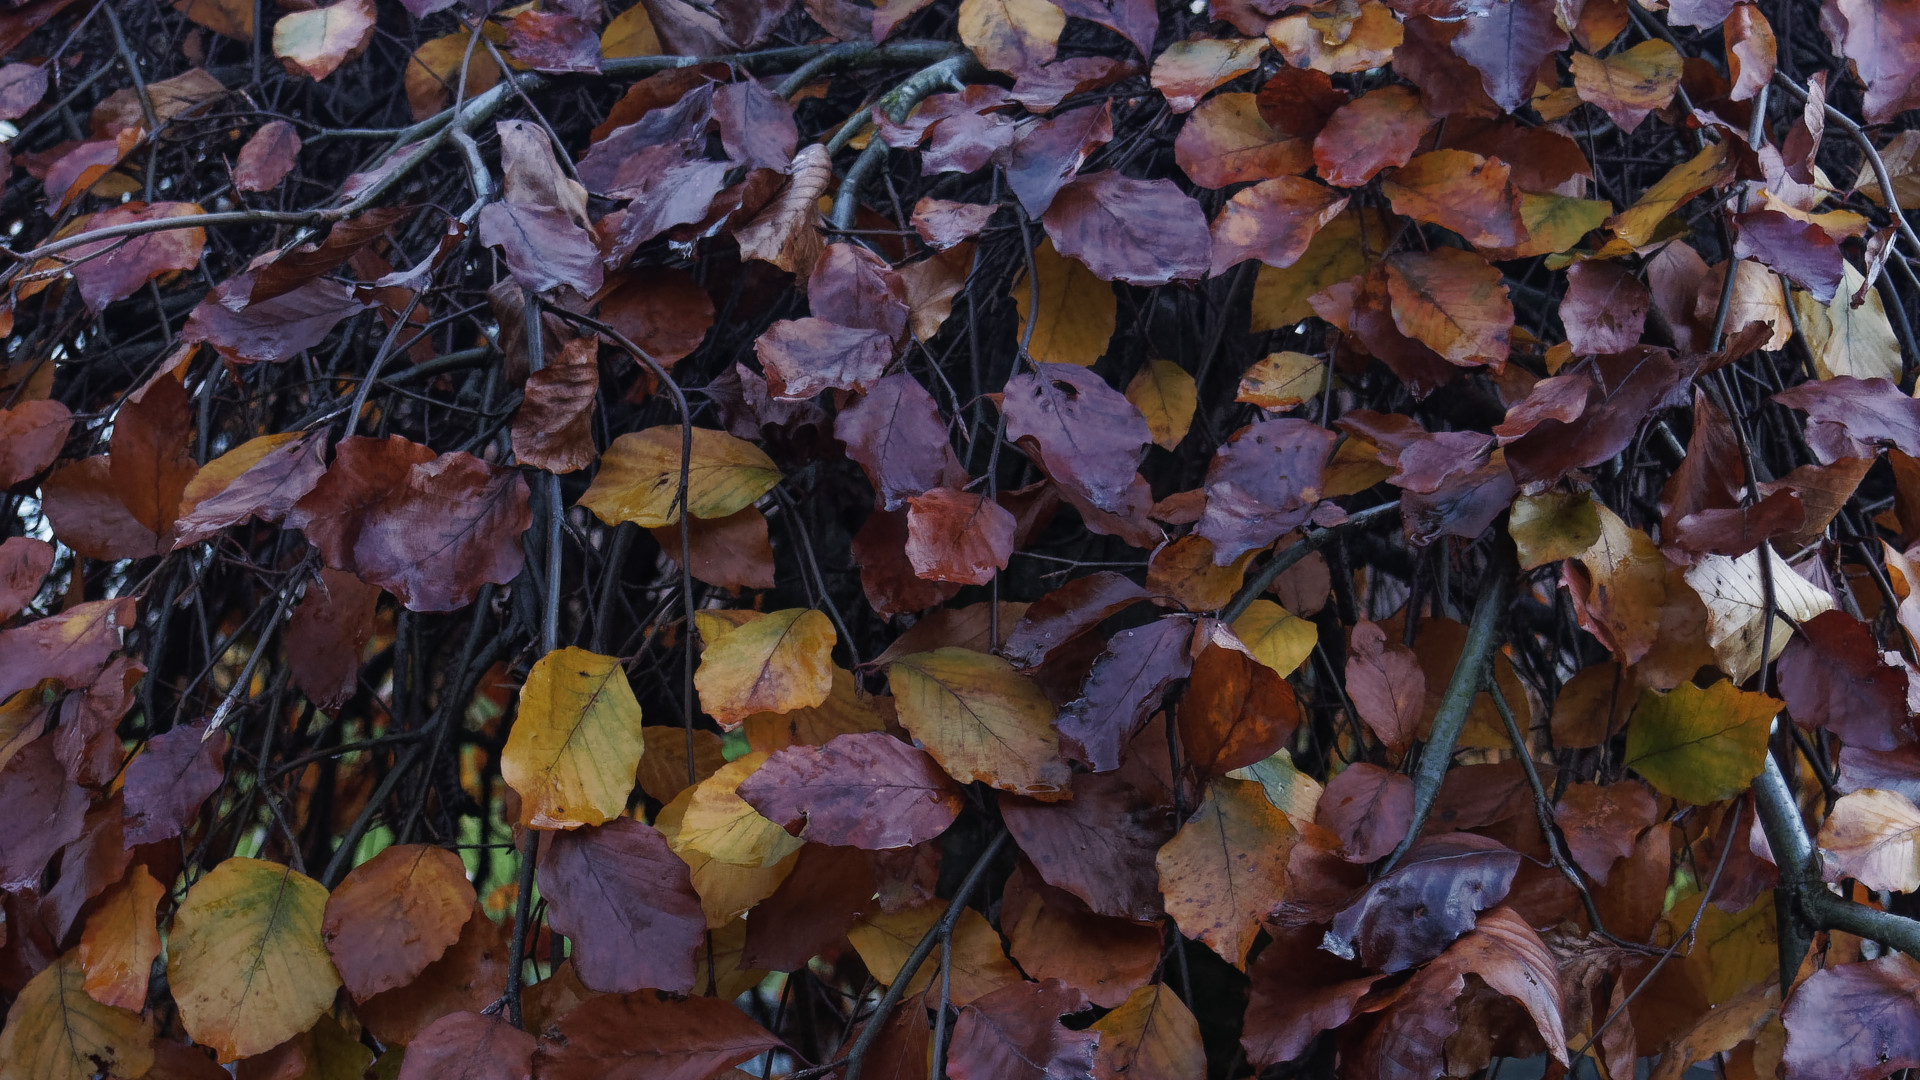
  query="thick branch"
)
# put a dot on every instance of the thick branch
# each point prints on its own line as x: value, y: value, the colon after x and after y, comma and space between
x: 1475, y: 660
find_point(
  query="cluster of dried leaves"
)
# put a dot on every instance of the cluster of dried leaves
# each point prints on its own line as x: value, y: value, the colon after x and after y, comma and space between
x: 997, y: 538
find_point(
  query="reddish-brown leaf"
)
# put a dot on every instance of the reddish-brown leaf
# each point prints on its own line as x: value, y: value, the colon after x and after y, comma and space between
x: 627, y: 902
x: 1054, y: 936
x: 852, y: 287
x: 1143, y: 232
x: 1272, y: 221
x: 553, y: 41
x: 1368, y: 808
x: 31, y: 435
x: 1227, y: 140
x: 1462, y: 191
x: 469, y: 1046
x: 732, y: 552
x: 1372, y: 132
x: 393, y: 915
x: 1833, y: 676
x: 170, y: 779
x: 1015, y: 1033
x: 1605, y: 308
x: 827, y: 890
x: 267, y: 157
x: 24, y: 563
x: 553, y: 428
x: 958, y: 536
x: 431, y: 529
x: 1099, y: 845
x: 109, y: 270
x: 262, y: 478
x: 1067, y: 612
x: 1298, y: 991
x: 866, y: 790
x: 886, y: 577
x: 327, y: 635
x: 662, y: 310
x: 1236, y: 711
x: 1386, y: 684
x: 1086, y: 435
x: 471, y: 976
x: 803, y: 357
x: 645, y: 1035
x: 1187, y: 70
x: 1602, y: 823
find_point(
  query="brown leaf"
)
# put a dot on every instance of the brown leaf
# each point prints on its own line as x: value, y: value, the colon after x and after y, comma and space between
x: 1054, y: 936
x: 261, y: 477
x: 1227, y: 867
x: 394, y: 914
x: 553, y: 428
x: 829, y: 888
x: 628, y: 904
x: 1015, y: 1033
x: 1507, y: 44
x: 1187, y: 70
x: 431, y: 529
x: 785, y: 232
x: 272, y: 329
x: 1227, y: 140
x: 732, y: 552
x: 109, y: 270
x: 1013, y: 36
x: 644, y: 1034
x: 469, y: 977
x: 267, y: 157
x: 49, y: 812
x: 327, y: 636
x: 24, y: 563
x: 958, y: 536
x: 1099, y: 845
x: 886, y: 577
x: 1462, y: 191
x: 661, y: 310
x: 867, y: 790
x: 1143, y: 232
x: 470, y: 1046
x: 1236, y: 711
x: 1605, y: 308
x: 1299, y: 990
x: 1629, y: 84
x: 1273, y: 221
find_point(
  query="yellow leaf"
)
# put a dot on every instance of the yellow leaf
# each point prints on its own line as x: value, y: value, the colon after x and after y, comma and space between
x: 981, y: 720
x: 56, y: 1032
x: 574, y: 749
x: 1151, y: 1036
x: 246, y: 961
x: 1227, y: 867
x: 1342, y: 249
x: 1700, y: 746
x: 1736, y: 597
x: 434, y: 71
x: 121, y: 940
x: 1011, y: 35
x: 1553, y: 525
x: 630, y: 33
x: 725, y: 890
x: 1275, y: 636
x: 316, y: 42
x: 1629, y: 84
x: 847, y: 710
x: 1164, y: 394
x: 1283, y: 380
x: 1874, y: 836
x: 1077, y: 310
x: 721, y: 825
x: 1555, y: 223
x: 1733, y: 951
x: 1848, y: 340
x: 777, y: 663
x: 639, y: 477
x: 1637, y: 223
x: 980, y: 967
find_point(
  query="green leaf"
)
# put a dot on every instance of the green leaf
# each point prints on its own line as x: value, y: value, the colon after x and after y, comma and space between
x: 1700, y: 746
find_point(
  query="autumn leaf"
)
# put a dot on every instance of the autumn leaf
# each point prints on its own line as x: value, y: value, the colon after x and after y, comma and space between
x: 56, y: 1032
x: 1165, y: 395
x: 574, y: 748
x: 121, y: 941
x: 1700, y: 746
x: 393, y: 915
x: 247, y: 961
x: 317, y: 41
x: 1629, y: 84
x: 639, y: 477
x: 867, y: 790
x: 1275, y: 636
x: 980, y: 719
x: 1227, y: 867
x: 776, y: 663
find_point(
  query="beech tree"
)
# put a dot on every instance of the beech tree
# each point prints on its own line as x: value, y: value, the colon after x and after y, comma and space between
x: 1015, y: 539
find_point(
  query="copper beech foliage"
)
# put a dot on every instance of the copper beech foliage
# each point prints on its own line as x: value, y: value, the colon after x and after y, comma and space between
x: 997, y: 539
